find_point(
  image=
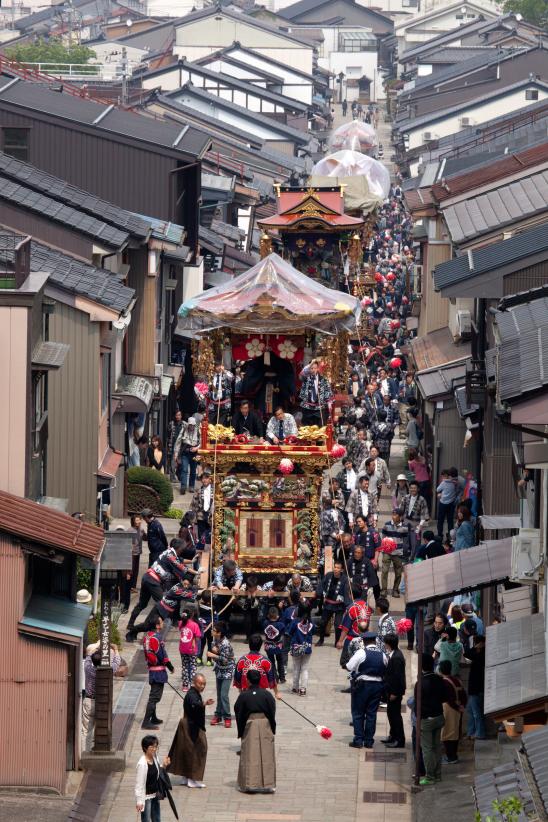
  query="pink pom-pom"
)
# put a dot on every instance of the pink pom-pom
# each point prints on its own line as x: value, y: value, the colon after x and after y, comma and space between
x: 201, y: 388
x: 395, y: 362
x: 403, y: 626
x: 286, y: 466
x: 338, y: 451
x: 388, y: 545
x: 391, y: 276
x: 366, y: 301
x: 405, y: 300
x: 395, y: 324
x: 324, y: 732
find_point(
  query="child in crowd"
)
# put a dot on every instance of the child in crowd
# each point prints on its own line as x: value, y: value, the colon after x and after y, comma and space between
x: 301, y: 630
x: 189, y: 644
x: 274, y: 630
x: 206, y: 616
x: 222, y: 654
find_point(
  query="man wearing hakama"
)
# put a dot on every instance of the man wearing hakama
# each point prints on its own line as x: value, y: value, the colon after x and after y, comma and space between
x: 255, y: 711
x: 188, y: 751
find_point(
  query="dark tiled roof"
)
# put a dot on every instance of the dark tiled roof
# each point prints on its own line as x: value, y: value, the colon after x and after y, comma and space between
x: 72, y: 275
x: 453, y: 55
x: 522, y: 349
x: 491, y: 172
x: 503, y: 782
x: 51, y: 209
x: 30, y: 521
x: 499, y: 207
x: 293, y: 133
x: 303, y: 6
x: 103, y: 118
x: 535, y: 745
x: 486, y: 58
x: 227, y: 80
x: 496, y: 92
x: 491, y: 257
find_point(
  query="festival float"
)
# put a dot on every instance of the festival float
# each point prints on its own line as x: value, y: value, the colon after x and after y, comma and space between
x: 312, y: 230
x: 266, y: 497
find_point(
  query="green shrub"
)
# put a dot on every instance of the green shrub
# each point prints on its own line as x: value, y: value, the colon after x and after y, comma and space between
x: 155, y: 480
x: 173, y: 513
x: 84, y: 577
x: 93, y: 629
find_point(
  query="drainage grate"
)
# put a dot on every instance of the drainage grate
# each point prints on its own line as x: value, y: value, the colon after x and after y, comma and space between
x: 129, y: 697
x: 385, y: 756
x: 385, y: 797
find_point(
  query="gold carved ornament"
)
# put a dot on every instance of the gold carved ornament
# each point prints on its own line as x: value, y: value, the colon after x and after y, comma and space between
x: 218, y: 433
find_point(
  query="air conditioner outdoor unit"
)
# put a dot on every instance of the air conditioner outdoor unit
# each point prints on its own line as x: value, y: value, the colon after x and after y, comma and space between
x: 527, y: 559
x: 466, y: 121
x: 428, y: 135
x: 464, y: 323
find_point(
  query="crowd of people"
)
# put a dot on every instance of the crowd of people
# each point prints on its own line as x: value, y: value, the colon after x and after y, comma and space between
x: 360, y: 564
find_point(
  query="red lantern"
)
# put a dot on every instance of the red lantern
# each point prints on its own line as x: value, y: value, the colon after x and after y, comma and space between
x: 388, y: 545
x: 395, y: 324
x: 338, y: 451
x: 286, y: 466
x: 378, y: 277
x: 395, y: 362
x: 390, y: 276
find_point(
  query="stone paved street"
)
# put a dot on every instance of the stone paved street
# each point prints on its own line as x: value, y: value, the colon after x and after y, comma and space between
x: 316, y: 779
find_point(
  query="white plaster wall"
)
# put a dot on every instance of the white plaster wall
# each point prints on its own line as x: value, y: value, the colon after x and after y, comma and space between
x: 206, y: 36
x: 480, y: 114
x: 355, y: 65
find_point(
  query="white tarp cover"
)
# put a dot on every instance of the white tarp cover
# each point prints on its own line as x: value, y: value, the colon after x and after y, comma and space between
x: 355, y: 135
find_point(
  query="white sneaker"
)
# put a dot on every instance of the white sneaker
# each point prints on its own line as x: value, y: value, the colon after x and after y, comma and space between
x: 193, y: 784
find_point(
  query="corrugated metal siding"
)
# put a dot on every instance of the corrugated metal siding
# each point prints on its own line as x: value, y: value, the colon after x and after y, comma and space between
x: 141, y: 333
x: 434, y: 307
x: 33, y: 690
x: 133, y: 178
x: 499, y: 493
x: 74, y: 411
x: 531, y: 277
x: 449, y: 431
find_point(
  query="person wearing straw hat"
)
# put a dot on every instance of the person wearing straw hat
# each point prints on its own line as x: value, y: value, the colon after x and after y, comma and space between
x: 255, y: 711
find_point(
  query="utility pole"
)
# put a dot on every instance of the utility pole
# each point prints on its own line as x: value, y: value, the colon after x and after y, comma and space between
x: 124, y: 65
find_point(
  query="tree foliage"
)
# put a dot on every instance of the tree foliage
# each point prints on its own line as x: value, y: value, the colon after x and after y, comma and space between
x: 534, y: 11
x: 49, y: 51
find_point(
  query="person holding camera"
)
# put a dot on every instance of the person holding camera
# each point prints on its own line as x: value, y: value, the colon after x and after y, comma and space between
x: 147, y: 783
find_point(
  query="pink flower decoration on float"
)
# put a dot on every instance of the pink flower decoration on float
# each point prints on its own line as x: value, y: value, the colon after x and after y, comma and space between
x: 338, y: 451
x: 378, y: 277
x: 366, y: 301
x: 395, y: 324
x: 390, y: 276
x: 202, y: 388
x: 286, y: 466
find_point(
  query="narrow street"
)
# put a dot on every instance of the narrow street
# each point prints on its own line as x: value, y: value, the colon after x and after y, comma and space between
x: 306, y: 763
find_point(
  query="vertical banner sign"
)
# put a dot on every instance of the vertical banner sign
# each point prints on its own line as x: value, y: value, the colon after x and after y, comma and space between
x: 104, y: 636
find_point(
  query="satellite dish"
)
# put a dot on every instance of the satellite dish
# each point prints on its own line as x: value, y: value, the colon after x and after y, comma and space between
x: 129, y: 23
